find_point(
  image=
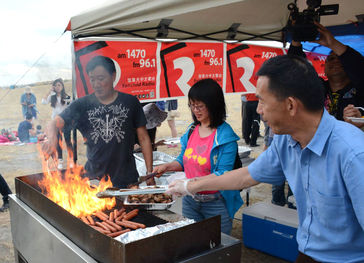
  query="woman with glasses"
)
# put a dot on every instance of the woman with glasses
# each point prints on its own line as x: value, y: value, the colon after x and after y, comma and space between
x: 209, y: 148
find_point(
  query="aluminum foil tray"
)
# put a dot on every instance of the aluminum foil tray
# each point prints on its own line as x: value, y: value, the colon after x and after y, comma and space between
x: 150, y: 206
x: 158, y: 159
x: 244, y: 151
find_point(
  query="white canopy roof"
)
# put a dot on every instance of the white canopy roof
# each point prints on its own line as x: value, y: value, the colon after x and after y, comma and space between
x: 128, y: 18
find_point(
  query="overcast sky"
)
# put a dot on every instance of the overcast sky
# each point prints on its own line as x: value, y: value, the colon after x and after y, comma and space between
x: 30, y: 28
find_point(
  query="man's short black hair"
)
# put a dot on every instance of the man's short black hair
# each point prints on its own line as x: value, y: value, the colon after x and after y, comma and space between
x: 293, y: 76
x: 105, y: 62
x: 210, y: 93
x: 28, y: 116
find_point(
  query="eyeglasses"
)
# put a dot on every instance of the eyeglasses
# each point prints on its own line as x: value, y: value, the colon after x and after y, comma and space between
x: 196, y: 107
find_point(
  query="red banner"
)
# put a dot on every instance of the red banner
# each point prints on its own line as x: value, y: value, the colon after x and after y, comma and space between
x: 151, y: 75
x: 243, y: 62
x: 183, y: 64
x: 135, y: 62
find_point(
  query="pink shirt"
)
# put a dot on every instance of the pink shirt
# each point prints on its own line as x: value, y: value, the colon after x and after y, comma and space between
x: 196, y: 159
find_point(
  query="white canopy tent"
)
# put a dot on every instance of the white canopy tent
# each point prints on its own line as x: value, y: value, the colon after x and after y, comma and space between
x: 202, y: 19
x: 141, y: 18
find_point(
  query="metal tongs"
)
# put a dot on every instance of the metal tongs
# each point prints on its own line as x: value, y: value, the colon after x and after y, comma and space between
x: 143, y: 179
x: 114, y: 192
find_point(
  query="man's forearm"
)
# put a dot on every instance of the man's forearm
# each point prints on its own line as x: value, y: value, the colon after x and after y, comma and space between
x: 337, y: 47
x: 54, y: 127
x: 147, y: 151
x: 148, y: 157
x: 234, y: 180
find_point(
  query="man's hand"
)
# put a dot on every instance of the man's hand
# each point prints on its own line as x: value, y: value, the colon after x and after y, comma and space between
x: 351, y: 111
x: 49, y: 147
x: 179, y: 188
x: 328, y: 40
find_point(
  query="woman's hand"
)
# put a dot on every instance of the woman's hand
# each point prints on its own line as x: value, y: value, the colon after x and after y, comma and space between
x: 160, y: 169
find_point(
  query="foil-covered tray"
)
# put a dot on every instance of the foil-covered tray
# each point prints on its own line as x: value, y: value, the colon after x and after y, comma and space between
x: 244, y: 151
x: 158, y: 159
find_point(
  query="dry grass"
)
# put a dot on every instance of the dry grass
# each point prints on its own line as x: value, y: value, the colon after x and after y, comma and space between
x: 23, y: 160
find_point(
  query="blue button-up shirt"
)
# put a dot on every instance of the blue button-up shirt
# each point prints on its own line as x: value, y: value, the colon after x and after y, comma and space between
x: 327, y: 180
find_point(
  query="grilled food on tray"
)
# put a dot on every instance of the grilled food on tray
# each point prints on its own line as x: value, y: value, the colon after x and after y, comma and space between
x: 150, y: 199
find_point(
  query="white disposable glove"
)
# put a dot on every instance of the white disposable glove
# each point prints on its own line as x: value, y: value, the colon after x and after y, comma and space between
x: 178, y: 188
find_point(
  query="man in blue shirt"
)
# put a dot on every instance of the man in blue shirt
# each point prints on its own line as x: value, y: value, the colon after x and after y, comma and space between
x: 321, y: 158
x: 25, y: 128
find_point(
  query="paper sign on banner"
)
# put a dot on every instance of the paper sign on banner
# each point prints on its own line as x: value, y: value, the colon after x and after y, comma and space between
x: 243, y: 62
x: 183, y: 64
x: 135, y: 62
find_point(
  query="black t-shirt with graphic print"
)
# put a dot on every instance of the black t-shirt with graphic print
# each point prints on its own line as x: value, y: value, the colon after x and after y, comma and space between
x: 109, y: 132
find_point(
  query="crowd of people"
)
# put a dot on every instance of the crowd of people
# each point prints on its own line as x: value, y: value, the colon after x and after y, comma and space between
x: 311, y: 147
x: 311, y: 143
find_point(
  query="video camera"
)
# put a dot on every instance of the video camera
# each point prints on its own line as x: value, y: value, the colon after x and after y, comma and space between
x: 301, y: 24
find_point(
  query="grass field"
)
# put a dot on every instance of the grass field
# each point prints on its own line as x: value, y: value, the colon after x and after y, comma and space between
x: 21, y: 160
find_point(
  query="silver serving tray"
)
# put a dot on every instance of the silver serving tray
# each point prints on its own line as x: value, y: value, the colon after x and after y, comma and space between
x: 126, y: 192
x: 150, y: 206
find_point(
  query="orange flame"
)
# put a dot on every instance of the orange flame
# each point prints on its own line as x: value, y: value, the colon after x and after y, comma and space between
x: 74, y: 193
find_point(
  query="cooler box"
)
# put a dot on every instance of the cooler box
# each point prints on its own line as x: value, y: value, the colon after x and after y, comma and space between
x: 271, y: 229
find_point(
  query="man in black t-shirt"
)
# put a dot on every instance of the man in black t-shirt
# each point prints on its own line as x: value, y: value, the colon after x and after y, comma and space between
x: 109, y: 121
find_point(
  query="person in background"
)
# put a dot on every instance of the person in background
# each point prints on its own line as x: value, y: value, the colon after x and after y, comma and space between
x: 155, y: 116
x: 39, y: 133
x: 209, y: 148
x: 320, y: 157
x: 243, y: 112
x: 161, y: 105
x: 25, y: 129
x: 5, y: 192
x: 8, y: 136
x: 59, y: 101
x: 38, y: 130
x: 251, y: 120
x: 109, y: 121
x: 172, y: 106
x: 29, y: 103
x: 344, y: 69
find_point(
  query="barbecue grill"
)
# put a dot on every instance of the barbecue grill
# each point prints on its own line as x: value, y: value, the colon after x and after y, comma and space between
x: 43, y: 231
